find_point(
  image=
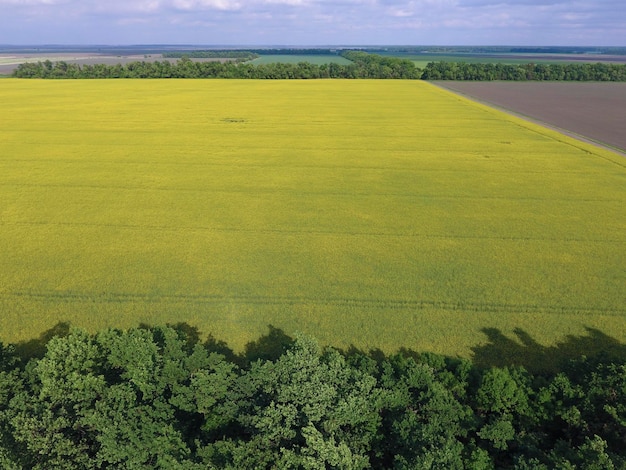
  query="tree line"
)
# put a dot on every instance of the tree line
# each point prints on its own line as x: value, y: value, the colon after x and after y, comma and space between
x: 363, y: 66
x: 233, y: 55
x: 540, y: 71
x: 159, y: 397
x: 249, y: 53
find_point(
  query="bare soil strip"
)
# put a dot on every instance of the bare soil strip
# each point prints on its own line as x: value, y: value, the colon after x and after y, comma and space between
x: 592, y: 111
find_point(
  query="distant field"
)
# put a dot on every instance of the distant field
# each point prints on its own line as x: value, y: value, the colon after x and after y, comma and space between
x: 421, y: 60
x: 294, y: 59
x: 380, y: 214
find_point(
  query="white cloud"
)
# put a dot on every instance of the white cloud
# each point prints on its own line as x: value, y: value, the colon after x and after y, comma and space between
x: 200, y: 5
x: 312, y: 22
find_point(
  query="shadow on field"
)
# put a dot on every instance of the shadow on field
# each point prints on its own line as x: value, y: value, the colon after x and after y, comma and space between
x: 36, y: 348
x: 525, y: 351
x: 268, y: 347
x: 499, y: 351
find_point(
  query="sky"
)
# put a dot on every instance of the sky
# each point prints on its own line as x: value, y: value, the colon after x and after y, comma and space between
x: 314, y: 22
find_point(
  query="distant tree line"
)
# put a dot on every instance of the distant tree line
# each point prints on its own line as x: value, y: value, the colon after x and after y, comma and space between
x: 296, y: 51
x: 563, y: 51
x: 235, y: 55
x: 363, y: 65
x: 159, y: 398
x: 252, y: 53
x: 379, y: 66
x: 613, y: 50
x: 542, y: 71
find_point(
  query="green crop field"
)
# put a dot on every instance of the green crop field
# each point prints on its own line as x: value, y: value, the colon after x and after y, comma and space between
x: 421, y: 60
x: 379, y: 214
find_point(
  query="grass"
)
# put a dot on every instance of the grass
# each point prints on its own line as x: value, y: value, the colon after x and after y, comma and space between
x: 380, y: 214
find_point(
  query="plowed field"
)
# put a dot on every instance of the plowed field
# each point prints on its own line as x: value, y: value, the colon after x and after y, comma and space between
x: 592, y: 110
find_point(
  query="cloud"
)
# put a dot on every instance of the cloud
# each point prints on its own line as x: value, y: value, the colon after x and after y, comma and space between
x: 524, y: 22
x: 201, y: 5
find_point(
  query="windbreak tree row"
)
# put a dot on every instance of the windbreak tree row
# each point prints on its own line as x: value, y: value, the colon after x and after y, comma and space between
x: 226, y: 54
x: 248, y: 54
x: 158, y: 397
x: 601, y: 72
x: 363, y: 66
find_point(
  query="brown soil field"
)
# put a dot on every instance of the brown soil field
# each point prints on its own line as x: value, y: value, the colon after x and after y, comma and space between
x: 593, y: 111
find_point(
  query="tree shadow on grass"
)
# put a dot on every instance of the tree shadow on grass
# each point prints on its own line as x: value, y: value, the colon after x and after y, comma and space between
x: 36, y: 348
x: 268, y: 347
x: 524, y: 351
x: 499, y: 351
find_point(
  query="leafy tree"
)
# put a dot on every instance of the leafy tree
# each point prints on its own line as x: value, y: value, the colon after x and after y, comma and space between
x: 109, y: 400
x: 424, y: 424
x: 305, y: 410
x: 10, y: 385
x: 158, y: 398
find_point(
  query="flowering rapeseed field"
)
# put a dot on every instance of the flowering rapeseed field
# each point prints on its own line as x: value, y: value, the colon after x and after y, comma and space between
x: 380, y: 214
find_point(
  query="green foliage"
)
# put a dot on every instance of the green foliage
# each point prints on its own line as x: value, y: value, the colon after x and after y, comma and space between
x: 499, y: 432
x: 11, y: 383
x: 378, y: 66
x: 425, y: 421
x: 503, y: 391
x: 307, y: 408
x: 363, y: 66
x: 108, y: 399
x: 445, y: 70
x: 158, y: 398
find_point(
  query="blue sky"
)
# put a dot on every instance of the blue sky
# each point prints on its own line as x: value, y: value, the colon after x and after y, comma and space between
x: 314, y: 22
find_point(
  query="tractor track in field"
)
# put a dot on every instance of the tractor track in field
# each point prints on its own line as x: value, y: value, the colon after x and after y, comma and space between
x: 358, y: 302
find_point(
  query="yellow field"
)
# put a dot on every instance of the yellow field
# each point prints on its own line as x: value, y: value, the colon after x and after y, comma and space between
x: 381, y: 214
